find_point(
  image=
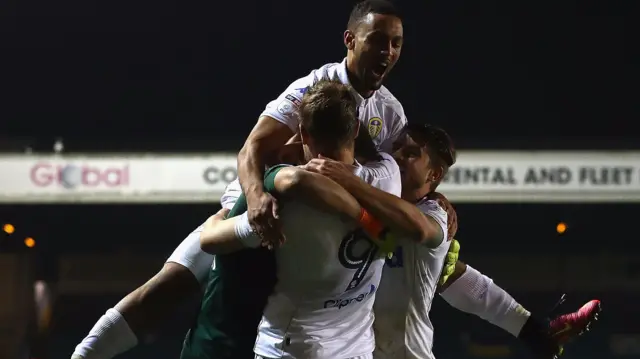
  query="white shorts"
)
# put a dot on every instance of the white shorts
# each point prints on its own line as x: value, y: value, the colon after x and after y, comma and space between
x: 231, y: 194
x: 189, y: 253
x: 191, y: 256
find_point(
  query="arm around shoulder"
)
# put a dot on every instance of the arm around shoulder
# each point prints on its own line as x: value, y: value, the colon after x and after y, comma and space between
x: 403, y: 217
x: 317, y: 190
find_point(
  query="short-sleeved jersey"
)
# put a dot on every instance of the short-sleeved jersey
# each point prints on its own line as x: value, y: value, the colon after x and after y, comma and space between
x: 408, y: 285
x: 239, y: 284
x: 381, y: 114
x: 328, y: 274
x: 188, y: 253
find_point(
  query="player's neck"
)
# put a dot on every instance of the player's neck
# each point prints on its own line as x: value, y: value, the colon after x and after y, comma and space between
x: 354, y: 81
x: 344, y: 156
x: 415, y: 195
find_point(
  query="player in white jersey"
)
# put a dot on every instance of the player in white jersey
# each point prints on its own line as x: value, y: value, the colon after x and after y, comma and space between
x: 403, y: 327
x: 410, y: 280
x: 328, y: 270
x: 470, y: 291
x: 373, y: 40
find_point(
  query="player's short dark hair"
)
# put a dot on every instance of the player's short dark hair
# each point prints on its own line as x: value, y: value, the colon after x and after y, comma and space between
x: 328, y: 114
x: 366, y: 7
x: 437, y: 141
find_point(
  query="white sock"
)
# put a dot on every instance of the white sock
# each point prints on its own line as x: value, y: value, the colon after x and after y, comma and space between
x: 109, y: 337
x: 476, y: 293
x: 245, y: 233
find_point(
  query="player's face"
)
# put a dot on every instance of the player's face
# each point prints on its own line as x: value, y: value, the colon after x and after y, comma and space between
x: 416, y: 166
x: 376, y: 46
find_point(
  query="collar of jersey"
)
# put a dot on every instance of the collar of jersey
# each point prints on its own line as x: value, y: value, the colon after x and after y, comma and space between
x: 358, y: 170
x: 344, y: 78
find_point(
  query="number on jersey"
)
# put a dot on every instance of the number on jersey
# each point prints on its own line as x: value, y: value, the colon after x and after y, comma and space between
x: 357, y: 252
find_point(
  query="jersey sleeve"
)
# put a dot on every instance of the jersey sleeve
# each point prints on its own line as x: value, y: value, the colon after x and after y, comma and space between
x: 383, y: 174
x: 285, y: 108
x: 270, y: 178
x: 269, y: 186
x: 399, y: 123
x: 432, y: 209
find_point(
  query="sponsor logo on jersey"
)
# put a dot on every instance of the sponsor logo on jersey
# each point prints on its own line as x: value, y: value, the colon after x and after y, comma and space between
x: 343, y: 302
x: 293, y: 99
x: 375, y: 126
x: 303, y: 90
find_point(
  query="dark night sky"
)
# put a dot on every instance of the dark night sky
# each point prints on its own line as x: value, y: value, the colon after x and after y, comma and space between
x: 167, y: 75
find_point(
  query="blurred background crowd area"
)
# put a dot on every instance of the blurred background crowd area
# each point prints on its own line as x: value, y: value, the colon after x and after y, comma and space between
x: 121, y: 121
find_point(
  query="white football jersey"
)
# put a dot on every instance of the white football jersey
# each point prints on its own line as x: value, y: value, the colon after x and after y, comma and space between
x: 403, y: 328
x: 381, y: 114
x: 383, y: 174
x: 328, y: 275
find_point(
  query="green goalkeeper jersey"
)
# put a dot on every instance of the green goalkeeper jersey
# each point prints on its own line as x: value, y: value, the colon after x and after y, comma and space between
x: 236, y: 293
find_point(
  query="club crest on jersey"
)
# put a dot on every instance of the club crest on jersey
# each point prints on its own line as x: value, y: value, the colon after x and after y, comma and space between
x: 286, y: 107
x: 375, y: 126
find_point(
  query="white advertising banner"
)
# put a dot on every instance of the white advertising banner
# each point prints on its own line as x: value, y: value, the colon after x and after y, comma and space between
x: 544, y: 177
x: 115, y: 178
x: 477, y: 177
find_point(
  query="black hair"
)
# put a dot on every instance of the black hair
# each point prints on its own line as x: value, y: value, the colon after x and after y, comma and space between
x: 364, y: 8
x: 328, y: 114
x: 436, y: 140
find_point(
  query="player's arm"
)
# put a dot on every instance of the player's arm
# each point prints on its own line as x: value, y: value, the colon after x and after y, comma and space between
x: 278, y: 123
x: 233, y: 234
x: 264, y: 141
x: 402, y: 217
x: 219, y: 236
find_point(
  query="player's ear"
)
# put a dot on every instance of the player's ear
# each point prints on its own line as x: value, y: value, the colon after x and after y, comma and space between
x: 295, y: 138
x: 437, y: 173
x: 304, y: 135
x: 349, y: 39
